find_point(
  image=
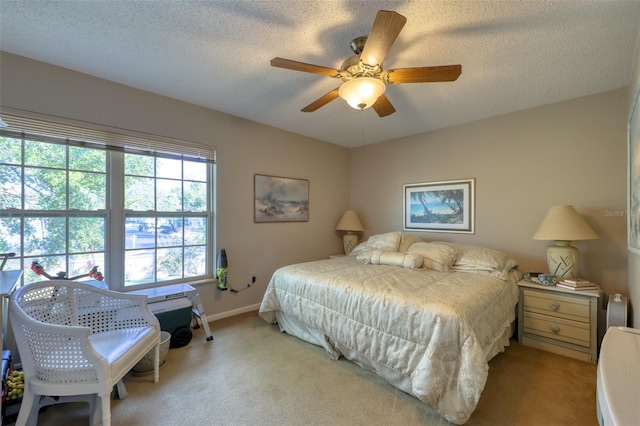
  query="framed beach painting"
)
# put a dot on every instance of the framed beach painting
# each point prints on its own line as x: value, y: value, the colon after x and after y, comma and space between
x: 445, y: 206
x: 280, y: 199
x: 633, y: 170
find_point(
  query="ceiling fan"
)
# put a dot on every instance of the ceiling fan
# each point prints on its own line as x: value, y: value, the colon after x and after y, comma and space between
x: 364, y: 79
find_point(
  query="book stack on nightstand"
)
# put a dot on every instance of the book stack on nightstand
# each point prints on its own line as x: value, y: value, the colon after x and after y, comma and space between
x: 576, y: 284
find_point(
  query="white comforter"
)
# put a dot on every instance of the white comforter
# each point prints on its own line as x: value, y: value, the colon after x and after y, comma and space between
x: 429, y: 333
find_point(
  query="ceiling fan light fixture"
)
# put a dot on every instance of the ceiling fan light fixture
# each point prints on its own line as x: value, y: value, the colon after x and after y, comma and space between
x: 362, y: 92
x: 363, y: 78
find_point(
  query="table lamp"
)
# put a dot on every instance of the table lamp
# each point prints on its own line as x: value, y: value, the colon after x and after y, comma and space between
x: 563, y: 224
x: 351, y: 224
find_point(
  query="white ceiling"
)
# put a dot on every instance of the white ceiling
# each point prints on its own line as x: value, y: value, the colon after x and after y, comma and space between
x: 514, y: 54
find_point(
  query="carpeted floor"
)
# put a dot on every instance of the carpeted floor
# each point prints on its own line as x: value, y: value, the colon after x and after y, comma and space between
x: 251, y: 374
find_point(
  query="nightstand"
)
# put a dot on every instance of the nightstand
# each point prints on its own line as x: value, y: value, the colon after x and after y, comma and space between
x: 559, y: 320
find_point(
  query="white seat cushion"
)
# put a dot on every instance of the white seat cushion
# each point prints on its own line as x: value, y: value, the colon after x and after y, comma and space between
x: 118, y: 347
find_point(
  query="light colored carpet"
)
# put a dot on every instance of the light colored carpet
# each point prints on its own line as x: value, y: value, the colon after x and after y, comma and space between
x: 252, y: 374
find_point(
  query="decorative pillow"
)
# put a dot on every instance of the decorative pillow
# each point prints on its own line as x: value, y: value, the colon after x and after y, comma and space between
x: 436, y: 256
x: 393, y: 258
x: 407, y: 240
x: 473, y: 258
x: 389, y: 241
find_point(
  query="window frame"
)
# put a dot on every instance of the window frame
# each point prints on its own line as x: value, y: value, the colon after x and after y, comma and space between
x: 114, y: 212
x: 118, y: 211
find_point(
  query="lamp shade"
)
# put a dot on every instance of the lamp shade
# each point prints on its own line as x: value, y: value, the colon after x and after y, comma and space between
x: 563, y: 223
x: 361, y: 92
x: 349, y: 222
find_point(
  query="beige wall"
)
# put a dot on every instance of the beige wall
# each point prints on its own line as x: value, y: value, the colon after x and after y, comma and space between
x: 243, y: 147
x: 572, y: 152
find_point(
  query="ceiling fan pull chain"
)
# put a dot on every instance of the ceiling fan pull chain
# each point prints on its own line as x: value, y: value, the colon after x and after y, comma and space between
x: 364, y: 139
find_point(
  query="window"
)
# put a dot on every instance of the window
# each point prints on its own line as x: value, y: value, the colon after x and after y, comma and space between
x: 171, y: 242
x: 53, y: 206
x: 142, y: 217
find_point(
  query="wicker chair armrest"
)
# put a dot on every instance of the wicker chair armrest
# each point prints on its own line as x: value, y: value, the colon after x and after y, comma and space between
x: 51, y: 345
x: 73, y: 331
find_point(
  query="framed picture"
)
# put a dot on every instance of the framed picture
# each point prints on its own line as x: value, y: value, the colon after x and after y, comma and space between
x: 633, y: 170
x: 280, y: 199
x: 446, y: 206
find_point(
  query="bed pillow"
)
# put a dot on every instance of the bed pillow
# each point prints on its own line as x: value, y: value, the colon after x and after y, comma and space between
x: 389, y: 241
x: 438, y: 257
x: 473, y: 258
x: 407, y: 240
x: 392, y: 258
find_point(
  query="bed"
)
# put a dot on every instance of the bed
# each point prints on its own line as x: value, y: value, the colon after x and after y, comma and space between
x: 426, y: 316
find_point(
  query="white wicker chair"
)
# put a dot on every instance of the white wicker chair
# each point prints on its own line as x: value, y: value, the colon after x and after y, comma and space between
x: 75, y: 339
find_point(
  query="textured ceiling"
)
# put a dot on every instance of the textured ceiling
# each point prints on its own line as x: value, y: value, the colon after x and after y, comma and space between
x: 515, y: 55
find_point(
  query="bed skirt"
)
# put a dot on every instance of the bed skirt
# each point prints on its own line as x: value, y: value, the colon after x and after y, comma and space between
x: 299, y: 329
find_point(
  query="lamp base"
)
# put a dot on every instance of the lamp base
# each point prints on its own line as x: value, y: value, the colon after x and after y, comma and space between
x: 349, y: 242
x: 562, y: 259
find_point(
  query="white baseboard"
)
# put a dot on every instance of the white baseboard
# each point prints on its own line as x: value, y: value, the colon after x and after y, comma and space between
x: 233, y: 312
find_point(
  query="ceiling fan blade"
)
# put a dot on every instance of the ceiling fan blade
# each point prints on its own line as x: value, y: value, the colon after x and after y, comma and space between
x: 383, y: 107
x: 304, y: 67
x: 384, y: 32
x: 425, y: 74
x: 322, y: 101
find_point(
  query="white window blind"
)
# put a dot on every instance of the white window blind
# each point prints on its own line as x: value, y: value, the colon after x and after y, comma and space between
x: 62, y: 131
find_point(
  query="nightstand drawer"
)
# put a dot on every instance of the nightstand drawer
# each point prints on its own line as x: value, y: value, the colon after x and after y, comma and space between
x: 557, y: 305
x: 564, y: 330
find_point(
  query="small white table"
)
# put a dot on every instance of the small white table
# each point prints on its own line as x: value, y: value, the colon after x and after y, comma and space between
x: 8, y: 280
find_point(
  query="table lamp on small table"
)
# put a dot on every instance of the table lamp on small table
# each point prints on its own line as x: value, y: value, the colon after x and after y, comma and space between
x: 563, y: 224
x: 351, y: 224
